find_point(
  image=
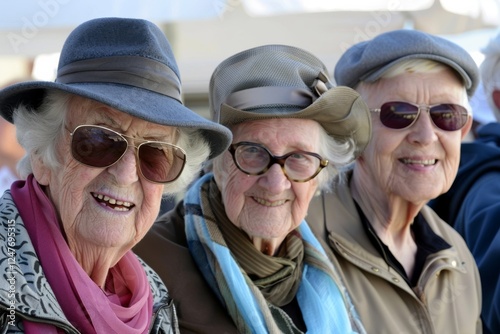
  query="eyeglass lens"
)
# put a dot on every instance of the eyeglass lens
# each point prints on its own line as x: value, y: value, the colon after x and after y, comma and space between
x: 399, y: 115
x: 254, y: 159
x: 100, y: 147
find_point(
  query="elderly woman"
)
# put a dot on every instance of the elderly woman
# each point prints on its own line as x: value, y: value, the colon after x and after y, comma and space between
x: 104, y: 143
x: 406, y: 270
x: 471, y: 205
x: 244, y: 223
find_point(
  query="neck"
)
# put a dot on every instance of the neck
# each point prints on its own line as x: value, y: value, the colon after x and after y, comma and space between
x: 391, y: 218
x: 267, y: 246
x: 96, y: 262
x: 390, y: 212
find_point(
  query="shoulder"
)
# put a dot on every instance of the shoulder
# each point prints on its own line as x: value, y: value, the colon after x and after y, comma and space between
x: 164, y: 313
x: 482, y: 154
x: 23, y: 270
x: 329, y: 209
x: 164, y: 247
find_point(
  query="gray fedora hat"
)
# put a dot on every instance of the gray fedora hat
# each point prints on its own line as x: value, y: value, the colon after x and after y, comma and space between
x: 280, y: 81
x: 368, y: 60
x: 127, y: 64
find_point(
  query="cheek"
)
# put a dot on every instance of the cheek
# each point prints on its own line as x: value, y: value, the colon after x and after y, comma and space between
x: 384, y: 140
x: 151, y: 201
x: 452, y: 148
x: 381, y: 147
x: 149, y: 209
x: 68, y: 188
x: 304, y: 192
x: 233, y: 192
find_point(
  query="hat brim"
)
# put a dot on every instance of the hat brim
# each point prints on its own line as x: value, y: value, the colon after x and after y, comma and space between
x: 340, y: 111
x: 144, y: 104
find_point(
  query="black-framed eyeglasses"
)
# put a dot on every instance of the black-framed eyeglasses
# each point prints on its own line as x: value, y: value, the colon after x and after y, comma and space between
x: 100, y: 147
x: 255, y: 159
x: 401, y: 115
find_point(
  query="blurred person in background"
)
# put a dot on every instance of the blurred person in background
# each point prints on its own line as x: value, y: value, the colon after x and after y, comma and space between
x: 10, y: 154
x: 482, y: 111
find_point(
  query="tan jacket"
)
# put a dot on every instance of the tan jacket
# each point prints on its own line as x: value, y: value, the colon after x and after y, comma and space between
x: 447, y: 299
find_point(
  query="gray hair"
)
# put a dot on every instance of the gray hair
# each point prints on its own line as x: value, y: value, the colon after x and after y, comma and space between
x: 39, y: 132
x: 340, y: 154
x: 490, y: 72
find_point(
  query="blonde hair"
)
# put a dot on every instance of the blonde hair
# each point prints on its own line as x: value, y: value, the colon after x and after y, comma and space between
x: 417, y: 66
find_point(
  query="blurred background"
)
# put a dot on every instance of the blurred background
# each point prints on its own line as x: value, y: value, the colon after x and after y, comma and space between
x: 204, y: 32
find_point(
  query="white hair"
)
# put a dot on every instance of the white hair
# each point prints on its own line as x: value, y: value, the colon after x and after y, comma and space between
x: 39, y: 132
x: 416, y: 66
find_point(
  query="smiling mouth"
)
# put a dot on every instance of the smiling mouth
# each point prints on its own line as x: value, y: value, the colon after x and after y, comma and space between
x: 262, y: 201
x: 112, y: 202
x: 428, y: 162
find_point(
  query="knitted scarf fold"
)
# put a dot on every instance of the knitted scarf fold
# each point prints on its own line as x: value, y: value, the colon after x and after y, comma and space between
x: 322, y: 304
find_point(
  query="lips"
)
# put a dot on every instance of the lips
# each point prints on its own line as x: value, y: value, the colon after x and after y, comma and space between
x: 423, y: 162
x: 113, y: 203
x: 264, y: 202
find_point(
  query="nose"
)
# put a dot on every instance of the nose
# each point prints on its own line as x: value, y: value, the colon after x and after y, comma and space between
x: 274, y: 180
x: 125, y: 170
x: 424, y: 130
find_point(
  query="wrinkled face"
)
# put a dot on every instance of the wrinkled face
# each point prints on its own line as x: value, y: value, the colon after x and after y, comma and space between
x: 420, y: 162
x: 268, y: 206
x: 104, y: 207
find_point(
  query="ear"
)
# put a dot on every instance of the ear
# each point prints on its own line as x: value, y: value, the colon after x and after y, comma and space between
x: 40, y: 170
x: 496, y: 98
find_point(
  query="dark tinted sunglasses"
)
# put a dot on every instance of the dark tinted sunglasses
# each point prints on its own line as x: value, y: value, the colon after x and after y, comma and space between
x: 401, y: 115
x: 97, y: 146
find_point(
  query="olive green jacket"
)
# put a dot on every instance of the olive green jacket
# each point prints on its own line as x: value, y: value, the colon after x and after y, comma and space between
x: 447, y: 298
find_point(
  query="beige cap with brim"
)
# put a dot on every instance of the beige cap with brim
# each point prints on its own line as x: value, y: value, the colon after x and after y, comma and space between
x: 279, y: 81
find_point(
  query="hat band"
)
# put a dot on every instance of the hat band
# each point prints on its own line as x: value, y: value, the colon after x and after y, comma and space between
x: 127, y: 70
x: 262, y: 96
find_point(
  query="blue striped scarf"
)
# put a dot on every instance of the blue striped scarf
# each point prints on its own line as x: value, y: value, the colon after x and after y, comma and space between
x: 322, y: 303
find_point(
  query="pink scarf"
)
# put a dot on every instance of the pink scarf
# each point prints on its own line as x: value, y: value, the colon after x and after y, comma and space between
x: 127, y: 309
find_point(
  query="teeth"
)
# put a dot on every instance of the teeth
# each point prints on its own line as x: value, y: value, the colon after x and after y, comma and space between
x: 420, y: 162
x: 267, y: 203
x: 114, y: 202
